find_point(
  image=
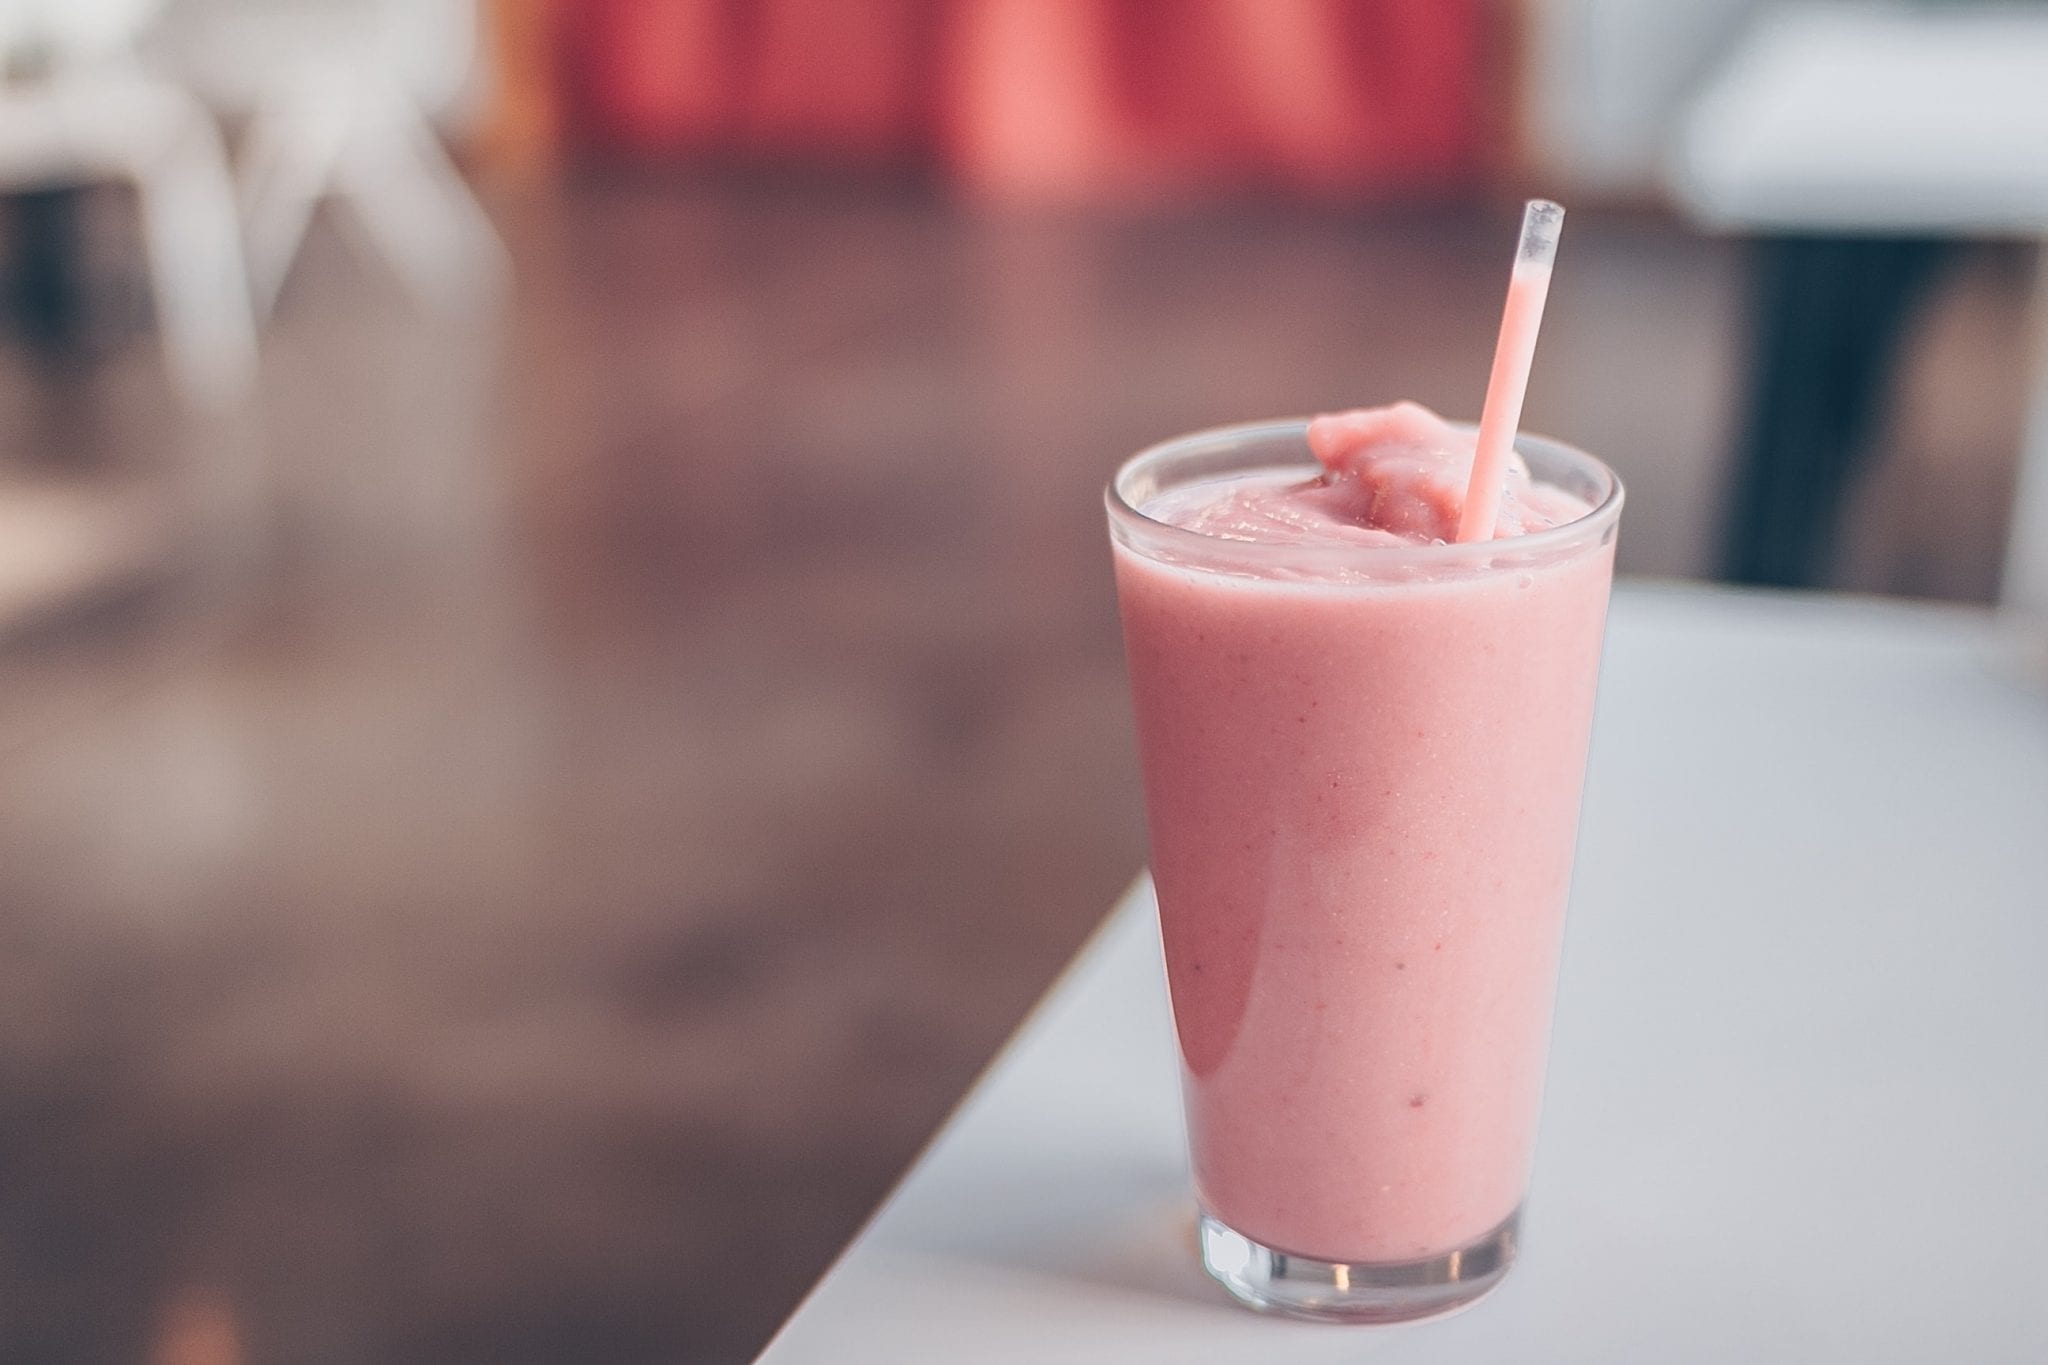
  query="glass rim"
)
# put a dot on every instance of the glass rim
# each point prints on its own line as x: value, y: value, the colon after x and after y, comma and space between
x: 1593, y: 526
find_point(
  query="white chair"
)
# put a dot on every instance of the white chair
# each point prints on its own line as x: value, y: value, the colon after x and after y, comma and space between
x: 1856, y: 119
x: 79, y: 109
x: 340, y: 99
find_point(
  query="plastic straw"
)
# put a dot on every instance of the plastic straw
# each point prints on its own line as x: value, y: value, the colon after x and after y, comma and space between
x: 1499, y: 420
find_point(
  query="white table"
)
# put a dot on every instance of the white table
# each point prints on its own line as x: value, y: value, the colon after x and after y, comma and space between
x: 1799, y: 1098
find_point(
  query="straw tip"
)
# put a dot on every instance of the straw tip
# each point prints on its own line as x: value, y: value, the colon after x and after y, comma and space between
x: 1542, y: 222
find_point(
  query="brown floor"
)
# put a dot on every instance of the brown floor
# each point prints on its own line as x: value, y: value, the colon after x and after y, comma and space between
x: 563, y: 809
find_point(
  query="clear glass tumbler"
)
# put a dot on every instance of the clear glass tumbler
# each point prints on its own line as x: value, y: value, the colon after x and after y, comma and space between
x: 1362, y: 775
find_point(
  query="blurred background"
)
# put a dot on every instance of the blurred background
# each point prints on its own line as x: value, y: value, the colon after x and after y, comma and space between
x: 561, y: 687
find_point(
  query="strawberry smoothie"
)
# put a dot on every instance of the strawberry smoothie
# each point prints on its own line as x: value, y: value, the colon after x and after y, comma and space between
x: 1363, y: 748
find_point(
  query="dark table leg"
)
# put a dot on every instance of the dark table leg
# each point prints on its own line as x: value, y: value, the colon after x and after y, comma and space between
x: 49, y: 294
x: 1828, y: 314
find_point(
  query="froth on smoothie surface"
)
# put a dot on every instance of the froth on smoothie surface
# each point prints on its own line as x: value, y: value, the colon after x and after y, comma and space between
x: 1392, y: 476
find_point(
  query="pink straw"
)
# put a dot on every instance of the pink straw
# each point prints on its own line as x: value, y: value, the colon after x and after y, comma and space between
x: 1528, y: 286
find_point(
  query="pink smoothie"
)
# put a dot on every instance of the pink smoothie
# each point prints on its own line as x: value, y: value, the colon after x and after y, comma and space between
x: 1362, y: 775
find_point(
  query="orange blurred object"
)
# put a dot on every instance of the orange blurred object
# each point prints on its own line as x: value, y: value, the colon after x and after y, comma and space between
x: 520, y: 133
x: 197, y: 1327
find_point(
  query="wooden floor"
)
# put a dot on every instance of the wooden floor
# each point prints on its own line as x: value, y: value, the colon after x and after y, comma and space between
x: 543, y: 817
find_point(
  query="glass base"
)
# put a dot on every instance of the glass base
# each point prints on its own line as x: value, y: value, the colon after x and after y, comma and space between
x: 1366, y: 1291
